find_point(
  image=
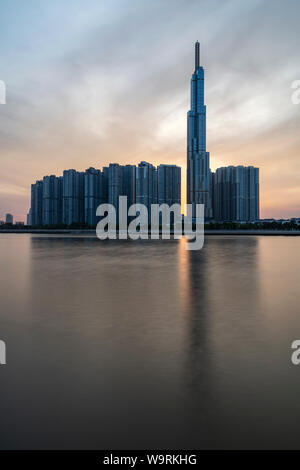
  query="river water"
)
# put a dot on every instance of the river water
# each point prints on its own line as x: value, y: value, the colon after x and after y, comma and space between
x: 126, y: 345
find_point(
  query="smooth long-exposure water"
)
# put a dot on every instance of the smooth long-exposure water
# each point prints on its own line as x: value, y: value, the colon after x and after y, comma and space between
x: 147, y: 345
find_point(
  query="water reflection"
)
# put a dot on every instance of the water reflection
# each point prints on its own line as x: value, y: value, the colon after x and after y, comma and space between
x: 145, y: 344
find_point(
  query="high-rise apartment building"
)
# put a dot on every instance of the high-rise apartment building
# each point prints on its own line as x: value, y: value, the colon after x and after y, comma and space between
x: 52, y: 200
x: 121, y: 182
x: 115, y: 184
x: 129, y: 183
x: 73, y: 197
x: 169, y: 184
x: 146, y: 185
x: 37, y: 203
x: 94, y: 194
x: 236, y: 193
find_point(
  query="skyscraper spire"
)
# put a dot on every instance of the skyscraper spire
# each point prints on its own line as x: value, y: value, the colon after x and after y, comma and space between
x: 197, y: 55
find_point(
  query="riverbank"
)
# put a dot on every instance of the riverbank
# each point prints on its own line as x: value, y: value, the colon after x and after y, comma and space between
x: 207, y: 232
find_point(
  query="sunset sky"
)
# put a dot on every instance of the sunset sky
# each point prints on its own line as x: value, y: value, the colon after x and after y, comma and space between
x: 93, y: 82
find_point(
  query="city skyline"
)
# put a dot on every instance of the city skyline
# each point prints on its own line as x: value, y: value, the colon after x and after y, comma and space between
x: 75, y: 100
x: 74, y: 197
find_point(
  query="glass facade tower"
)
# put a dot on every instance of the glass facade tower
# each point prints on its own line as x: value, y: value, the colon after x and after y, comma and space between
x: 198, y: 171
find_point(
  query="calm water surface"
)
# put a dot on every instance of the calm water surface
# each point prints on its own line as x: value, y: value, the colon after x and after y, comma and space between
x: 147, y: 345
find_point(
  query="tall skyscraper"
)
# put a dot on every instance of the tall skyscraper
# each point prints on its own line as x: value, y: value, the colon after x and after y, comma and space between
x: 236, y: 193
x: 198, y: 170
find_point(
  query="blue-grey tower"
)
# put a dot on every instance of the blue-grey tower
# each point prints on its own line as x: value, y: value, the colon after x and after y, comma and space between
x: 198, y: 171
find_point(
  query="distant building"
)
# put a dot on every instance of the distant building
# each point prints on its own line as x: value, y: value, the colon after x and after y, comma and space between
x: 9, y: 219
x: 236, y: 193
x: 72, y: 197
x: 29, y: 218
x: 20, y: 223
